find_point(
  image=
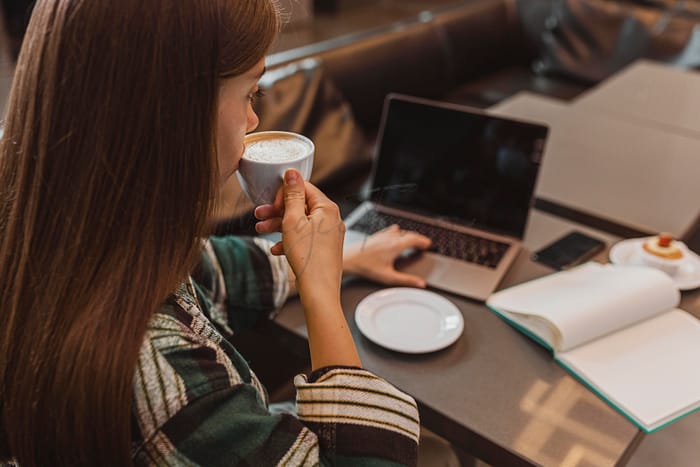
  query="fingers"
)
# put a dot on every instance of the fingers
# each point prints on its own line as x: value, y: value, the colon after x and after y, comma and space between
x: 316, y: 199
x: 290, y: 196
x: 414, y: 240
x: 299, y: 194
x: 277, y: 249
x: 391, y: 228
x: 266, y: 211
x: 269, y: 225
x: 407, y: 238
x: 398, y: 278
x: 270, y: 219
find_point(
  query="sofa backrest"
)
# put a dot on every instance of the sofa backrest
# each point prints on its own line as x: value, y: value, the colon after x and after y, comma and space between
x: 426, y: 56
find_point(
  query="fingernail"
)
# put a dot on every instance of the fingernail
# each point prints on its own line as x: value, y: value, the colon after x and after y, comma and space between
x: 290, y: 177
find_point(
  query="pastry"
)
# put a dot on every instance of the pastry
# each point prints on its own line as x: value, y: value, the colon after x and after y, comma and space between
x: 663, y: 246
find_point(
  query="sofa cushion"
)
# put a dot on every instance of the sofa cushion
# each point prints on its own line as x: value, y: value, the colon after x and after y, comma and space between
x: 589, y: 40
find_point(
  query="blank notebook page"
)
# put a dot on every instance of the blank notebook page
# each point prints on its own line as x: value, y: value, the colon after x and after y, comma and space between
x: 650, y: 369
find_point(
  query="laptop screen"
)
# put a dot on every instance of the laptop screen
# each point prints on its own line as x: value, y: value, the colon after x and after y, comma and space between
x: 458, y: 164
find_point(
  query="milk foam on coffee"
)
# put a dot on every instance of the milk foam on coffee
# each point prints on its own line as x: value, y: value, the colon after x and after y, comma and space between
x: 275, y: 150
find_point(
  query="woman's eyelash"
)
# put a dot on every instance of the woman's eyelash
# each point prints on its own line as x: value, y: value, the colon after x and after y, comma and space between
x: 259, y: 94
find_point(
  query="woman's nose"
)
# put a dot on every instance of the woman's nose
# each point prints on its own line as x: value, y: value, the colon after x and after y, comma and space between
x: 253, y: 120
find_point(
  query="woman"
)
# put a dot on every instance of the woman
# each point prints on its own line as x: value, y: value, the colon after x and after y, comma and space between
x: 125, y: 118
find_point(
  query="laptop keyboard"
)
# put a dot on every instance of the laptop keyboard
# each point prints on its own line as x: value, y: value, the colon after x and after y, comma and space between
x: 446, y: 242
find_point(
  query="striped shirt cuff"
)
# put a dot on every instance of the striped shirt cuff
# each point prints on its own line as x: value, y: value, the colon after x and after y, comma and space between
x: 357, y: 397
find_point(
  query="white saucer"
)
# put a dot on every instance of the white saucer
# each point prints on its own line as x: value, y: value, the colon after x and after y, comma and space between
x: 409, y: 320
x: 627, y: 253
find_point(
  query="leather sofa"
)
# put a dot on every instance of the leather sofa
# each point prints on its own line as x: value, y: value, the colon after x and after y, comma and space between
x: 477, y: 53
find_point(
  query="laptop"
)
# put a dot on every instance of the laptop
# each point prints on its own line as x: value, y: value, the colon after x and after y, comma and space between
x: 459, y: 175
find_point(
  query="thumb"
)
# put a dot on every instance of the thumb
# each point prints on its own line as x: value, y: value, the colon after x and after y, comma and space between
x: 294, y: 194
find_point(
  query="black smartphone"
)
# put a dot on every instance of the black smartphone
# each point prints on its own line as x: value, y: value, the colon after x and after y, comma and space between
x: 568, y: 251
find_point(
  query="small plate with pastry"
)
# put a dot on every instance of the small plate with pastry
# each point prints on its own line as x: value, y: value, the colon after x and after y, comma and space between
x: 662, y: 252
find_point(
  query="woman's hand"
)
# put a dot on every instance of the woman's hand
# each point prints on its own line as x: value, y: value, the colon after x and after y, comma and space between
x: 312, y: 233
x: 374, y: 257
x: 312, y: 241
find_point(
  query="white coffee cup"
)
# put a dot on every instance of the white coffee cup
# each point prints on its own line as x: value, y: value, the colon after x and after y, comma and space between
x: 267, y: 156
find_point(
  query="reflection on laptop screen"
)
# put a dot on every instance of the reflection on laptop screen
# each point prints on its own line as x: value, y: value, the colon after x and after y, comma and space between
x: 462, y: 165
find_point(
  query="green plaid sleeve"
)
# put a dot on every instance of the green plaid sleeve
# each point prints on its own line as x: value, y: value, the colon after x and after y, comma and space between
x: 239, y: 281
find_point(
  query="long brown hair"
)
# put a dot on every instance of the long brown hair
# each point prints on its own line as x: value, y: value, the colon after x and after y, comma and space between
x: 107, y: 180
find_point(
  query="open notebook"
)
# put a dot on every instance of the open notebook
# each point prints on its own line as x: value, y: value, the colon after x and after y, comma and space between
x: 617, y: 329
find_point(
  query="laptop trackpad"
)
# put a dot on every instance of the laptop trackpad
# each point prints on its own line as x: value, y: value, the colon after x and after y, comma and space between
x: 424, y: 265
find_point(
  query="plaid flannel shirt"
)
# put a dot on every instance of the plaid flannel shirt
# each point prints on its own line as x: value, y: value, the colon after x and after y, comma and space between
x: 196, y: 401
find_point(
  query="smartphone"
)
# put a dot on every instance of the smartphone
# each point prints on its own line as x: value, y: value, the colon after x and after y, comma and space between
x: 568, y: 251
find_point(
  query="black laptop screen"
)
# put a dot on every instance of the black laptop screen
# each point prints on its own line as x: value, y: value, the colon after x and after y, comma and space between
x: 458, y: 164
